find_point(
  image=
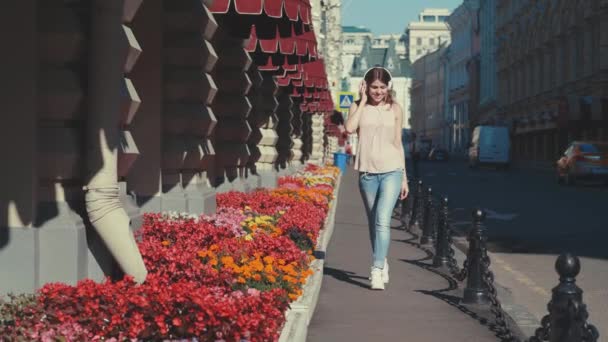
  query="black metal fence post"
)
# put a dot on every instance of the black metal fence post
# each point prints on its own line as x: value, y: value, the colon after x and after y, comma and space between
x: 427, y: 224
x: 567, y: 318
x: 405, y: 209
x: 418, y: 200
x: 476, y: 292
x: 442, y: 245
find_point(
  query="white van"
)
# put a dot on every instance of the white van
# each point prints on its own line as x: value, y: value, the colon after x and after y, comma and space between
x: 490, y: 145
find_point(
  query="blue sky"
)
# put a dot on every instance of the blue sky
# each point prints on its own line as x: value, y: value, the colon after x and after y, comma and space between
x: 388, y: 16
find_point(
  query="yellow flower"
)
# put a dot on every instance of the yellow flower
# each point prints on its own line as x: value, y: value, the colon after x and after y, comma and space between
x: 248, y: 237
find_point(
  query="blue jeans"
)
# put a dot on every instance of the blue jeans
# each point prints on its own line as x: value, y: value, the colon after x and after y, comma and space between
x: 380, y: 192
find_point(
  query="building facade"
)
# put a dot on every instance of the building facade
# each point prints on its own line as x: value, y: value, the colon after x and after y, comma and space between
x: 552, y: 63
x: 487, y: 61
x: 353, y: 40
x: 428, y: 97
x: 122, y: 107
x: 463, y: 27
x: 388, y: 58
x: 327, y: 22
x: 428, y: 33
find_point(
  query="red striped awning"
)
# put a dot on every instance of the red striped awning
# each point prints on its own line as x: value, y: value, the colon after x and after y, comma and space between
x: 267, y: 15
x: 282, y: 50
x: 309, y: 75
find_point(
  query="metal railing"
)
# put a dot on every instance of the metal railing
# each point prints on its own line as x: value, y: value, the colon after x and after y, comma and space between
x: 567, y: 318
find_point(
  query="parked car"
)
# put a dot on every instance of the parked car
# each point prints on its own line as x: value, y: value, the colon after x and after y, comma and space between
x: 583, y: 160
x: 439, y: 154
x: 490, y: 145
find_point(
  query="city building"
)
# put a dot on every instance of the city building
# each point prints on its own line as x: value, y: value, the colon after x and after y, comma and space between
x: 427, y: 97
x: 552, y: 64
x: 458, y: 59
x: 388, y: 58
x: 327, y: 22
x: 428, y: 33
x: 353, y: 39
x: 116, y: 108
x: 488, y: 85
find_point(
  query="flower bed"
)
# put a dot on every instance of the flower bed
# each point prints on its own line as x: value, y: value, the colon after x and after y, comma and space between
x: 226, y: 277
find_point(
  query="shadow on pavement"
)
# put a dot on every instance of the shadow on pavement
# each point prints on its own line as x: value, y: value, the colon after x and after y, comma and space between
x: 345, y: 276
x: 452, y: 294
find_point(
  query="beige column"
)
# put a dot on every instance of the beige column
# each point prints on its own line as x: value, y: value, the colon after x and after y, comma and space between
x: 107, y: 65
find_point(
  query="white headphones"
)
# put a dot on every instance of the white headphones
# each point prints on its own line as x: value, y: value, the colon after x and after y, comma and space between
x: 390, y: 82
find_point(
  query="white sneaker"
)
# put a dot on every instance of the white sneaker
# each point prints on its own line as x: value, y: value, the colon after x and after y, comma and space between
x: 377, y: 283
x: 385, y: 277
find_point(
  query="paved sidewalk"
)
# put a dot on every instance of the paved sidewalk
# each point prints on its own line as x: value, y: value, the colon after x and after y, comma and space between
x: 418, y: 304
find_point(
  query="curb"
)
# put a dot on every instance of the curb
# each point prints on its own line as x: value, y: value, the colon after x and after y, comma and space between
x: 301, y: 311
x: 522, y: 322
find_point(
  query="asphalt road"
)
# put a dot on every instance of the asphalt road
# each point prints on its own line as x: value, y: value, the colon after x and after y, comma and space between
x: 530, y: 221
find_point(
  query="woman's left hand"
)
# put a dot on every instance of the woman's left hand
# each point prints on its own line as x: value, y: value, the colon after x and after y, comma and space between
x: 405, y: 190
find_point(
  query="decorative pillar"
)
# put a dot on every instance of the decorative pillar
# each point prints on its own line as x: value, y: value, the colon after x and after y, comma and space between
x: 188, y: 121
x: 232, y: 108
x: 61, y: 237
x: 284, y: 128
x: 19, y: 139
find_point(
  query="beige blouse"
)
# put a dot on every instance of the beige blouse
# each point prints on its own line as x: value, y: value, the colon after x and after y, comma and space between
x: 376, y: 151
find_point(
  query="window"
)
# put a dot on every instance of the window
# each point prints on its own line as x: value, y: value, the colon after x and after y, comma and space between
x: 428, y: 18
x: 443, y: 18
x: 418, y: 52
x: 418, y: 41
x: 432, y: 41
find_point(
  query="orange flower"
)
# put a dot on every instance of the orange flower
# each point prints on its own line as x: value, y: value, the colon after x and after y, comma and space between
x: 227, y: 260
x: 166, y: 243
x: 202, y: 253
x: 257, y: 277
x: 268, y: 259
x: 241, y: 280
x: 271, y: 279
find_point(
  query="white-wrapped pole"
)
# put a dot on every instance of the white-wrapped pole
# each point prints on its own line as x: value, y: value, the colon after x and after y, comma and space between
x: 107, y: 58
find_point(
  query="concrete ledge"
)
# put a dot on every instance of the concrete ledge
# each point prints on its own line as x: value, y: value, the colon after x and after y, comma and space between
x: 308, y: 301
x: 302, y: 310
x: 328, y: 227
x: 295, y: 329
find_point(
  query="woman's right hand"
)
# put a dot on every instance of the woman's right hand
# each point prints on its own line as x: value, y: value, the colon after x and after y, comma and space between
x: 363, y: 92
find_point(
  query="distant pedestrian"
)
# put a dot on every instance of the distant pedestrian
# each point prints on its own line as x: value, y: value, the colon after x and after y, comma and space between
x: 349, y: 151
x: 380, y: 161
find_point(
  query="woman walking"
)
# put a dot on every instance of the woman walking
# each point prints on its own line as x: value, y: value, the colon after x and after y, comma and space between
x: 380, y: 160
